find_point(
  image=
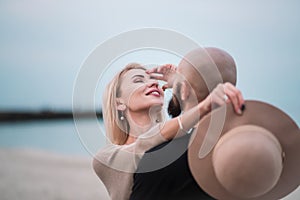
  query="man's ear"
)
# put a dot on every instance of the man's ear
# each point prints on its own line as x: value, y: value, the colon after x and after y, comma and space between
x: 185, y: 91
x: 121, y: 104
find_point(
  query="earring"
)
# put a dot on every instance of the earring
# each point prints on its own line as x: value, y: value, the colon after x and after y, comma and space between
x: 122, y: 117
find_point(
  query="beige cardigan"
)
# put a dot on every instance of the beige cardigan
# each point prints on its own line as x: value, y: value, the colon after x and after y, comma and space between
x: 115, y: 164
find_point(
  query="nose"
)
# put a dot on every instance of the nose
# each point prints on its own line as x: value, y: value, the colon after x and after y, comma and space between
x: 152, y: 83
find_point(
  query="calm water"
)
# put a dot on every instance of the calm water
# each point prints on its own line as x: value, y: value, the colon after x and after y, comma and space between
x: 57, y: 136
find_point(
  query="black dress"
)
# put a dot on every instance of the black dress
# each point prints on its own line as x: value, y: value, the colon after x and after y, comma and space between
x: 173, y: 181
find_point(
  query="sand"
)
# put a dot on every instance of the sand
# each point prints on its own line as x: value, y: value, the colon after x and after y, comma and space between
x: 34, y: 175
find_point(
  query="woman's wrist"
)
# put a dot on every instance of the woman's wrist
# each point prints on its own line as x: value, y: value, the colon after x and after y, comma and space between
x: 186, y: 121
x: 204, y: 108
x: 181, y: 126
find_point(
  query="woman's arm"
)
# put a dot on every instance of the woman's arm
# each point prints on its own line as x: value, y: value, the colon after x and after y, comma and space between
x: 187, y: 120
x: 191, y: 117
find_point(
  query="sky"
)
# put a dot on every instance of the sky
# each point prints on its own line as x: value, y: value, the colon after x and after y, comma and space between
x: 45, y: 42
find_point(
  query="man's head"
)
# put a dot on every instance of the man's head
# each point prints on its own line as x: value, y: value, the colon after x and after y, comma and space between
x: 203, y: 69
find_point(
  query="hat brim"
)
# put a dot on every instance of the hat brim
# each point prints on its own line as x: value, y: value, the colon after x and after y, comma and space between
x: 256, y: 113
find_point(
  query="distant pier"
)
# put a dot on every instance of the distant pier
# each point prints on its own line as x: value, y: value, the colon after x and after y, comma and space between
x: 17, y: 116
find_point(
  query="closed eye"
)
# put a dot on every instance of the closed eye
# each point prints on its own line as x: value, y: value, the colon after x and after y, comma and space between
x: 139, y: 80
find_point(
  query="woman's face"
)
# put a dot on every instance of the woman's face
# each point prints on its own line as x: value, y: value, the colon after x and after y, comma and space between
x: 140, y: 92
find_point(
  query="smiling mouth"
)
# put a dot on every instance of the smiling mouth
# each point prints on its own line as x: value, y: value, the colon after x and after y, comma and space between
x: 154, y: 93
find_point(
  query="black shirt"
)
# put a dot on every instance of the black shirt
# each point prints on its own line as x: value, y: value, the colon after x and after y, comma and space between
x: 172, y: 178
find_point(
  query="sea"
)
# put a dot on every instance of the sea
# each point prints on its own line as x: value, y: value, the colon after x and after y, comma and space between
x: 58, y: 136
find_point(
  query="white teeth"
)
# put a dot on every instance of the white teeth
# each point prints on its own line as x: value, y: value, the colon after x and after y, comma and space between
x: 155, y: 93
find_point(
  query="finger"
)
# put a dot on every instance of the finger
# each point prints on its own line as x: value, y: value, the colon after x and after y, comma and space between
x: 165, y: 86
x: 232, y: 95
x: 152, y: 70
x: 219, y: 90
x: 238, y: 94
x: 234, y: 100
x: 168, y: 65
x: 218, y: 94
x: 166, y: 68
x: 161, y: 69
x: 157, y: 76
x: 171, y: 67
x: 218, y: 99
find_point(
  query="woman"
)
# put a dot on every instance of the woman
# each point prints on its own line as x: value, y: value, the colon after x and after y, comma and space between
x: 133, y: 120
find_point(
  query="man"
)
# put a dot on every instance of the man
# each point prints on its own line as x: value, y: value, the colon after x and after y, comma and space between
x: 203, y: 75
x: 172, y: 178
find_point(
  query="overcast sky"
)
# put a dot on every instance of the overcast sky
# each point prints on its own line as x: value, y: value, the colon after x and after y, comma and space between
x: 44, y: 43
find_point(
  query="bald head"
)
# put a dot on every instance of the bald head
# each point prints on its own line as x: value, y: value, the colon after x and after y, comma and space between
x: 205, y: 68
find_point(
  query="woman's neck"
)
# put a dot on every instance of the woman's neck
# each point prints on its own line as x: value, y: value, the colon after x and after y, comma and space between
x: 141, y: 122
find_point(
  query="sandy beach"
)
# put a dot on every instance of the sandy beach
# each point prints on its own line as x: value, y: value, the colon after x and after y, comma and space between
x: 34, y: 175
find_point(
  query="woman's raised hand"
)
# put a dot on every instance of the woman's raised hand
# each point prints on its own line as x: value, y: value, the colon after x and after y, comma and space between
x: 165, y: 73
x: 223, y: 93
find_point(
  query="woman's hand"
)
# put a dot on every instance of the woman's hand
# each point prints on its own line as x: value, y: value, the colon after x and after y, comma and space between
x: 165, y: 73
x: 225, y: 93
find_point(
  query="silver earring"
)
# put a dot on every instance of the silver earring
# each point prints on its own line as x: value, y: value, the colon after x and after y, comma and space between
x: 122, y: 117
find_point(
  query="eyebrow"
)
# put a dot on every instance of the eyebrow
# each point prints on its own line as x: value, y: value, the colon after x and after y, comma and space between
x: 140, y: 76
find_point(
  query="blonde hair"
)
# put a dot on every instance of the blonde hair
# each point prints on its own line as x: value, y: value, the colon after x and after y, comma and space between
x: 117, y: 130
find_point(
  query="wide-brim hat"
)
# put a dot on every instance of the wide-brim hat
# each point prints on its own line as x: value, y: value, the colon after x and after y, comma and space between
x: 277, y: 130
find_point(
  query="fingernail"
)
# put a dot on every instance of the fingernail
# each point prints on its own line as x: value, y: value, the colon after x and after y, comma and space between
x: 243, y: 107
x: 239, y: 111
